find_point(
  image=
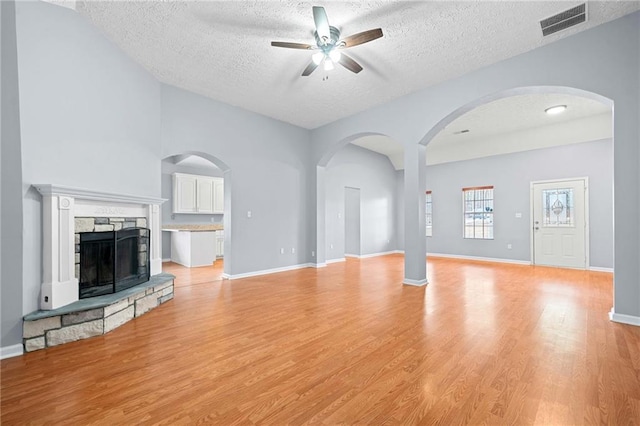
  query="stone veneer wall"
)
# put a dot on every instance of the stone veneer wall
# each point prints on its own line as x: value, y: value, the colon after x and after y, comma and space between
x: 64, y: 328
x: 101, y: 224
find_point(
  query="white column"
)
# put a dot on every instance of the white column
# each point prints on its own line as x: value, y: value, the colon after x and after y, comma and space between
x: 60, y: 286
x: 415, y: 243
x: 155, y: 250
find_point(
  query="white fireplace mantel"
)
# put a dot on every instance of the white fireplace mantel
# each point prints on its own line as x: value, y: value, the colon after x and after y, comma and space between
x: 60, y: 206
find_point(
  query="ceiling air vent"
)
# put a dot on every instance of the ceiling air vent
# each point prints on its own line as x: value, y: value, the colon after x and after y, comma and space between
x: 564, y: 20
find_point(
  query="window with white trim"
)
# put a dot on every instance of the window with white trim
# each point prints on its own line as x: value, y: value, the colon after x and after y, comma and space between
x: 478, y: 212
x: 428, y: 211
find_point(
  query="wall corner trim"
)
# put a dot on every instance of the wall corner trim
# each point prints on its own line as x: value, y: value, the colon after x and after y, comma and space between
x: 11, y: 351
x: 624, y: 319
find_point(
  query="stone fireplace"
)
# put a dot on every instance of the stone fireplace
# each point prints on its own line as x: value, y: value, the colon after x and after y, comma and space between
x: 68, y: 213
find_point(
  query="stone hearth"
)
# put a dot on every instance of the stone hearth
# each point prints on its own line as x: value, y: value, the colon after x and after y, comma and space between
x: 94, y: 316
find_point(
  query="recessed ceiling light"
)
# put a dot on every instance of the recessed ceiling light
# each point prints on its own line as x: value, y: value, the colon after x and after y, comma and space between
x: 555, y: 109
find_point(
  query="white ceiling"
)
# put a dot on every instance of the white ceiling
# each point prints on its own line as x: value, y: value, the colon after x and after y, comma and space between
x: 513, y: 124
x: 222, y: 49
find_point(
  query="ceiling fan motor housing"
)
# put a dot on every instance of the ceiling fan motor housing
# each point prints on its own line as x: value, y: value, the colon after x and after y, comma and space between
x: 328, y: 44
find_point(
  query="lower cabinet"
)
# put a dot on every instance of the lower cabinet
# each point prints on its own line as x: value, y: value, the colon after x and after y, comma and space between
x: 220, y: 243
x: 193, y: 248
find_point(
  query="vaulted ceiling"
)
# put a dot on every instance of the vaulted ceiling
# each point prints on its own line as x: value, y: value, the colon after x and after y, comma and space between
x: 221, y: 49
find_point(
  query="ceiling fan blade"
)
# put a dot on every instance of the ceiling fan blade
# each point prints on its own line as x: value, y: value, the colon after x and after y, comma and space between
x: 309, y: 69
x: 363, y: 37
x: 322, y: 22
x: 349, y: 63
x: 289, y: 45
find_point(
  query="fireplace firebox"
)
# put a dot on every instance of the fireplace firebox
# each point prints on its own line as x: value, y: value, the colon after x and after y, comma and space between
x: 111, y: 261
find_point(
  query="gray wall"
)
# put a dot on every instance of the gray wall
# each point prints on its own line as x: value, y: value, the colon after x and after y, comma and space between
x: 10, y: 184
x: 511, y: 175
x: 374, y: 175
x: 90, y: 118
x: 168, y: 168
x: 399, y: 209
x: 267, y: 164
x: 352, y: 221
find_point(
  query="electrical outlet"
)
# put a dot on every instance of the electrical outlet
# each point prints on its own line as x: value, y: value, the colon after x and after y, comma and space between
x: 339, y: 215
x: 249, y: 213
x: 282, y: 251
x: 509, y: 247
x: 293, y: 250
x: 213, y: 219
x: 519, y: 215
x: 331, y: 246
x: 313, y: 254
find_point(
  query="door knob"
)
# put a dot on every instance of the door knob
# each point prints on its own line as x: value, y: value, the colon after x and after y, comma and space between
x: 536, y: 228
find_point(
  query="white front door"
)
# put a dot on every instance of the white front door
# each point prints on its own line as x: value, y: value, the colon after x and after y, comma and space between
x: 560, y: 223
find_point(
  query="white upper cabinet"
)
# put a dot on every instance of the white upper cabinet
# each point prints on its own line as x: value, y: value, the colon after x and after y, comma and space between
x: 185, y: 189
x: 218, y: 195
x: 205, y: 196
x: 198, y: 194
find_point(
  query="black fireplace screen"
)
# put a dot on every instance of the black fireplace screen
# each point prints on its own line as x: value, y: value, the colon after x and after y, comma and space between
x: 111, y: 261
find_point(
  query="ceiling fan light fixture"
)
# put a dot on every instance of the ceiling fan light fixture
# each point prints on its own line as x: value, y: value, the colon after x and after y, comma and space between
x: 557, y: 109
x: 335, y: 55
x: 317, y: 57
x: 328, y: 65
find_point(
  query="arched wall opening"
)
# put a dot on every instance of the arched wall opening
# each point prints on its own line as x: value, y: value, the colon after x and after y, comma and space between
x: 418, y: 187
x: 579, y: 157
x: 355, y: 166
x: 196, y: 163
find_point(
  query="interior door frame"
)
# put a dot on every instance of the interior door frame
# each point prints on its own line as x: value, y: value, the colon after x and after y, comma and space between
x: 587, y: 261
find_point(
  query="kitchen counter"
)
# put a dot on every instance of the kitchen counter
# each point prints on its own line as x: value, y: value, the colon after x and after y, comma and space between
x: 192, y: 228
x: 195, y: 245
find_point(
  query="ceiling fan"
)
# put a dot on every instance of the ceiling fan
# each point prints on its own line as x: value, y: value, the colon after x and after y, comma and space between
x: 328, y: 44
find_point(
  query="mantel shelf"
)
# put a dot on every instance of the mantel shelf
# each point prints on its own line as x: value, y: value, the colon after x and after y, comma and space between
x: 86, y: 194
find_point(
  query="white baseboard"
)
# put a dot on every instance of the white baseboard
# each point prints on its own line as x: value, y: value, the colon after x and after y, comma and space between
x: 398, y: 252
x: 318, y: 265
x: 482, y: 259
x: 271, y: 271
x: 340, y: 259
x: 366, y: 256
x: 599, y: 269
x: 624, y: 319
x: 383, y: 253
x: 11, y: 351
x: 166, y: 260
x: 417, y: 283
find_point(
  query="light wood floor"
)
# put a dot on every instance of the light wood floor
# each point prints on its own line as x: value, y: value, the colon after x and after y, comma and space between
x: 483, y: 343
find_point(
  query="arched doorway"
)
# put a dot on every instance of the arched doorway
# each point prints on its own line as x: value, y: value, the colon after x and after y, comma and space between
x: 336, y: 223
x: 544, y: 151
x: 210, y: 175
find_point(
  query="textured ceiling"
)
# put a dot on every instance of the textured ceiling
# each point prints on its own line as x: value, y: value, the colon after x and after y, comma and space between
x: 222, y: 49
x: 516, y: 116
